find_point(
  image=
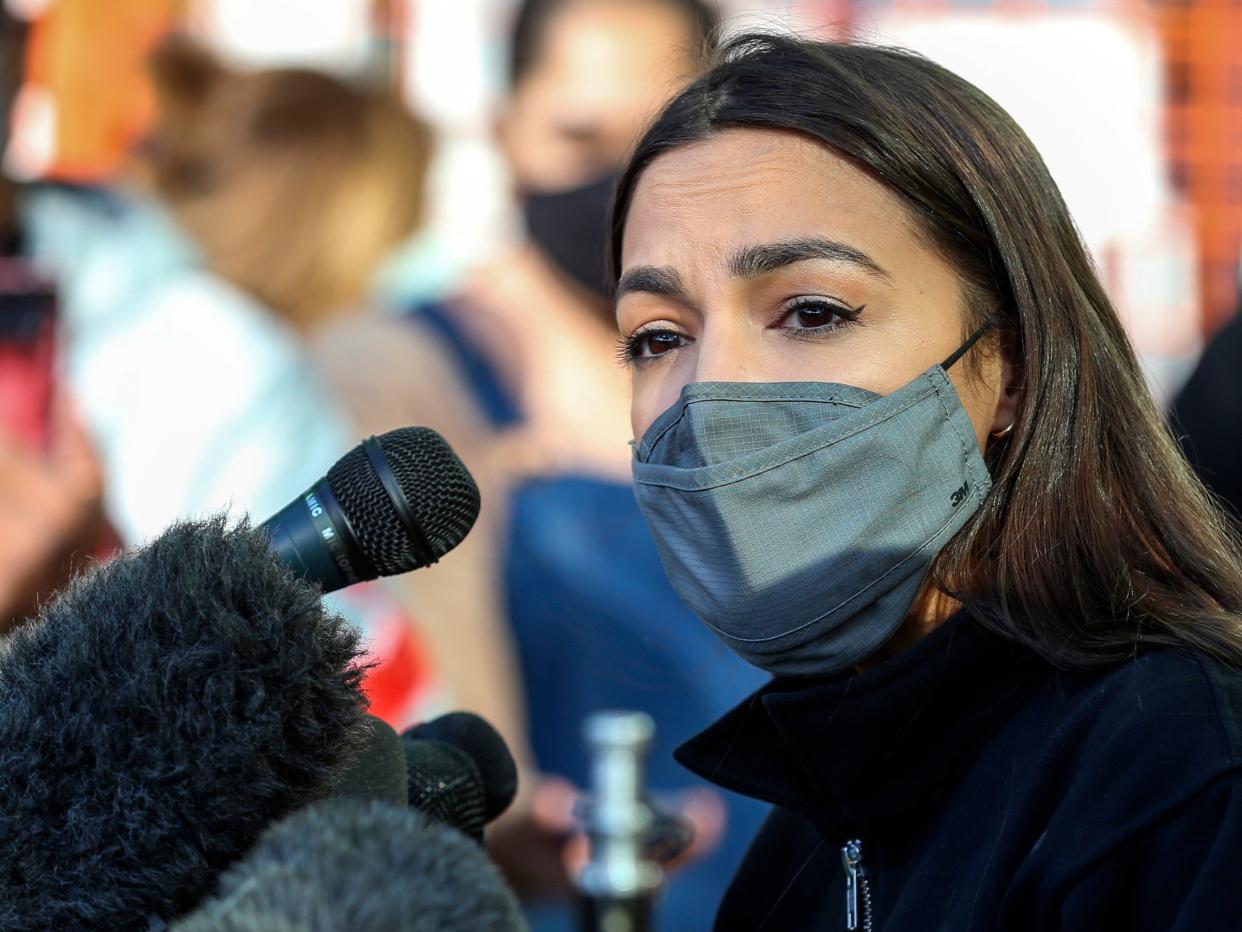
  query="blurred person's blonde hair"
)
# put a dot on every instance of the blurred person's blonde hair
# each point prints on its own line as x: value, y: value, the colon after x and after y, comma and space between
x: 293, y: 184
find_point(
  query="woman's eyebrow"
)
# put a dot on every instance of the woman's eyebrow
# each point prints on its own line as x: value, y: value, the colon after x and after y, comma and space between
x: 751, y: 262
x: 651, y: 280
x: 762, y: 259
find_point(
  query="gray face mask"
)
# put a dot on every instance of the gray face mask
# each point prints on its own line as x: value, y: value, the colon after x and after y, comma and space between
x: 798, y: 519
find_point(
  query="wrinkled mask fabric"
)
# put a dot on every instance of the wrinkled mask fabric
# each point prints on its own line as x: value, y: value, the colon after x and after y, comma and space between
x: 798, y: 519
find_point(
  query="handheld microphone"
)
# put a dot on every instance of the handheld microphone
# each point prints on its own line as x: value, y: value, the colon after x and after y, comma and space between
x: 455, y: 769
x: 459, y: 771
x: 392, y: 504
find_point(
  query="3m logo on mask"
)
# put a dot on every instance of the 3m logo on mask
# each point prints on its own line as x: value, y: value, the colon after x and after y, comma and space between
x: 960, y: 494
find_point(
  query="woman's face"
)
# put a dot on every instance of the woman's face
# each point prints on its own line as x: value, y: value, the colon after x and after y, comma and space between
x: 761, y: 256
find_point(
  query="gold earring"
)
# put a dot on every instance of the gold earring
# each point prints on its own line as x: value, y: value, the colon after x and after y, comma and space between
x: 1004, y: 432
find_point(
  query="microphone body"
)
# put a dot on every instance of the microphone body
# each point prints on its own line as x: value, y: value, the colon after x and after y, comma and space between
x: 313, y: 538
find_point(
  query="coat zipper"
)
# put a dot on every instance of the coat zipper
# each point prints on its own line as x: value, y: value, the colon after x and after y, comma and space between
x: 857, y: 888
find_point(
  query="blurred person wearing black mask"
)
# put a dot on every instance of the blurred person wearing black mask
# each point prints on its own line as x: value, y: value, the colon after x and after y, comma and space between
x: 516, y: 368
x: 585, y: 77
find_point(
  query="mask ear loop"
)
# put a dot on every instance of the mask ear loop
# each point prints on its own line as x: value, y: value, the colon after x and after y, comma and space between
x: 962, y: 351
x: 965, y: 347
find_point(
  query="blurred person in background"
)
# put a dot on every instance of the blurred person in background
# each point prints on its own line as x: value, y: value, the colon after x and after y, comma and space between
x: 293, y: 185
x: 518, y: 370
x: 51, y: 513
x: 258, y: 211
x: 1207, y: 415
x: 260, y: 207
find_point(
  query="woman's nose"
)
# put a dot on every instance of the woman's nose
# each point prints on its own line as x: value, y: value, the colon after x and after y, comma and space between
x: 724, y: 355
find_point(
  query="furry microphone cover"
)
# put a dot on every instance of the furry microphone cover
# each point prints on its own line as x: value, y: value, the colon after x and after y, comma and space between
x: 363, y: 866
x: 155, y: 719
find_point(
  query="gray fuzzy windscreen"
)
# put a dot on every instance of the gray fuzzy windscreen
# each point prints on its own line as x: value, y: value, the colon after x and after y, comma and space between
x: 155, y: 719
x: 363, y: 867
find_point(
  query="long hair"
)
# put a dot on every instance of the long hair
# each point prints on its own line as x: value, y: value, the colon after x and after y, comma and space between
x: 293, y: 184
x: 1096, y: 539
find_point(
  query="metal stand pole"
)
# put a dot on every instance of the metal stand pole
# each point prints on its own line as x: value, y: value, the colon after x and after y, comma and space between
x: 619, y: 884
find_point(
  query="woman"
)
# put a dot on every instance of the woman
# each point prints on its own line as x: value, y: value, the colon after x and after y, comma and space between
x: 896, y: 450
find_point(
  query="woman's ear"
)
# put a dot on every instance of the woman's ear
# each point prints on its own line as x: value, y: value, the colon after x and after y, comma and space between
x: 1010, y: 394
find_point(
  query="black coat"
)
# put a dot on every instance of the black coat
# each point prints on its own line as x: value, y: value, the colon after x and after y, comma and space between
x: 1208, y: 416
x: 987, y: 791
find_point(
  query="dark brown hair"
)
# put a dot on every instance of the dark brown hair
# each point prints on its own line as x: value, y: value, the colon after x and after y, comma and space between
x: 534, y: 18
x: 1096, y: 539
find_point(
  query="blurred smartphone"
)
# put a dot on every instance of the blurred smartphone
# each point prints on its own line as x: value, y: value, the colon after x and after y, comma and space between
x: 27, y: 351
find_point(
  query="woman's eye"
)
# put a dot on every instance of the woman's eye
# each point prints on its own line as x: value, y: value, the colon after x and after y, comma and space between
x: 811, y: 314
x: 650, y: 343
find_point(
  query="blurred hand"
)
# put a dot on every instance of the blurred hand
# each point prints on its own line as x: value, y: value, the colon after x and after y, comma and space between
x: 560, y: 352
x: 50, y: 513
x: 534, y: 843
x: 542, y: 847
x: 705, y: 811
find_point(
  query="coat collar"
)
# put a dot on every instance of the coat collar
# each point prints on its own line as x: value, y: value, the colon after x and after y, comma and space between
x: 860, y: 752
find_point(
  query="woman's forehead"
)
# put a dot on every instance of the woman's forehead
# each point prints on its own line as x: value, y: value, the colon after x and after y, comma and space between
x: 744, y: 186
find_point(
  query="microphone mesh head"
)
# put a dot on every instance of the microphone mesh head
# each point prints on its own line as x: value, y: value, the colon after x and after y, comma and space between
x: 439, y: 489
x: 483, y: 745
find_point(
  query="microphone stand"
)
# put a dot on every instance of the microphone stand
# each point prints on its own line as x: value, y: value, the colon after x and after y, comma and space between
x: 619, y: 884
